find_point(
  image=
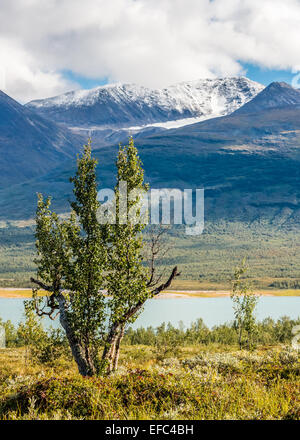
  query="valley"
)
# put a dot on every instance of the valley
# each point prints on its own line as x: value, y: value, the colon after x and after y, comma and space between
x: 207, y: 262
x: 247, y: 161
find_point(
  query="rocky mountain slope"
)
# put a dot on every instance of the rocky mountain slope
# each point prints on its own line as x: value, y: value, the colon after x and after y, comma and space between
x: 248, y: 162
x: 30, y: 145
x: 276, y: 95
x: 129, y: 105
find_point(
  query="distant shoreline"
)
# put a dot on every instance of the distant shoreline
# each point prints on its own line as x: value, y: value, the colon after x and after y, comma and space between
x: 25, y: 293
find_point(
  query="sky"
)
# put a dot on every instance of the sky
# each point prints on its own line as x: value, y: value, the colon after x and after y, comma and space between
x: 48, y: 47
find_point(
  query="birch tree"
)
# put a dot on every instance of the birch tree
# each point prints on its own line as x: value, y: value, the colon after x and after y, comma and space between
x: 79, y: 259
x: 131, y: 279
x: 244, y: 304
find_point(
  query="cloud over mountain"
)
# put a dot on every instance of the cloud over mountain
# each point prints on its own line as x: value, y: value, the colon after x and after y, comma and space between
x: 143, y: 41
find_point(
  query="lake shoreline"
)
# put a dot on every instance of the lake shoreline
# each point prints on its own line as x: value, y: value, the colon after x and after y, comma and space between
x: 10, y: 292
x: 213, y: 311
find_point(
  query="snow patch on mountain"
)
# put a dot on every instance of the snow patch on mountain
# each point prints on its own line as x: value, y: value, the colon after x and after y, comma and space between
x: 125, y: 105
x: 173, y: 124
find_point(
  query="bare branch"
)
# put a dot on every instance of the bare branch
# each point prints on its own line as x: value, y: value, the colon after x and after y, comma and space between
x: 168, y: 283
x: 154, y: 292
x: 42, y: 285
x: 157, y: 250
x: 50, y: 303
x: 42, y: 312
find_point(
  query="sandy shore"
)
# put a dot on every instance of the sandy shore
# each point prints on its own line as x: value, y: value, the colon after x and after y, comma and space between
x: 193, y: 294
x: 11, y: 292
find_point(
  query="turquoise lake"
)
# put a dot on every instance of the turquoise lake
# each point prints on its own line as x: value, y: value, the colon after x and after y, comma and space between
x: 213, y: 311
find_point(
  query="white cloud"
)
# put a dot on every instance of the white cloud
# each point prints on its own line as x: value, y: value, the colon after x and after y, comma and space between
x: 151, y: 42
x: 22, y: 78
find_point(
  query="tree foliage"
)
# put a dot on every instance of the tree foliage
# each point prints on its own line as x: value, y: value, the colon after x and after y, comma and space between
x: 80, y: 258
x: 244, y: 303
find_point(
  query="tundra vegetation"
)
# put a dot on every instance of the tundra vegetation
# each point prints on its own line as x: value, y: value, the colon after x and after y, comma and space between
x: 165, y: 373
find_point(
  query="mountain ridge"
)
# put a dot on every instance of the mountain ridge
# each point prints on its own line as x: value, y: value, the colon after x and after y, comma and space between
x: 123, y: 105
x: 248, y: 163
x: 275, y: 95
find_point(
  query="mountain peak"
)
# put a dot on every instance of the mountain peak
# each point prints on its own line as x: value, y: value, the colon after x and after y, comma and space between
x: 275, y: 95
x: 279, y: 84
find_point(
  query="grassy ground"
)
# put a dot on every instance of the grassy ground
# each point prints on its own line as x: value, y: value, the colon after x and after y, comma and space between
x: 196, y: 288
x: 199, y: 382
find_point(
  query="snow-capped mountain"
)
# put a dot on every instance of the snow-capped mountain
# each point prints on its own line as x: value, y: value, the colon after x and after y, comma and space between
x: 128, y: 105
x: 248, y: 161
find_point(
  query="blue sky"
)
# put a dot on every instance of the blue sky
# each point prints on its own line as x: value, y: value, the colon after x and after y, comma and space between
x: 266, y: 76
x: 84, y: 82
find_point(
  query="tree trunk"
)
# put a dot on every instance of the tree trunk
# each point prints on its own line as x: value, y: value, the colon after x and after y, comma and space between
x: 240, y: 335
x: 84, y: 363
x: 117, y: 347
x: 110, y: 347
